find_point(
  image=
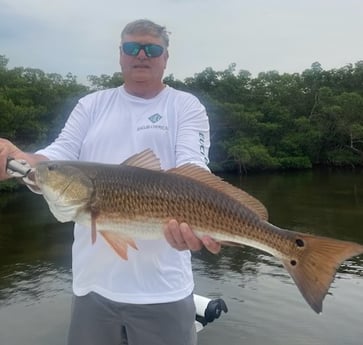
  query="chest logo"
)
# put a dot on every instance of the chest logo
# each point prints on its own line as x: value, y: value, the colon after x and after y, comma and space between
x: 155, y: 118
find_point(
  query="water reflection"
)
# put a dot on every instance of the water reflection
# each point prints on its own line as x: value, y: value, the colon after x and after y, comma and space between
x: 322, y: 202
x: 265, y: 305
x: 35, y: 250
x: 28, y: 284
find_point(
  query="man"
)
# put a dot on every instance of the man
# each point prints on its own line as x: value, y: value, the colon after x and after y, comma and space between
x: 148, y: 298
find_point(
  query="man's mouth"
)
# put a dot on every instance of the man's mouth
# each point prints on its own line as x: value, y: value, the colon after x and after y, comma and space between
x: 141, y: 66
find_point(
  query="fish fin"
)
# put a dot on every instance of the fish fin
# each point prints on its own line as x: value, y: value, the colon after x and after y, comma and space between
x: 119, y: 242
x: 145, y: 159
x: 314, y: 264
x: 204, y: 176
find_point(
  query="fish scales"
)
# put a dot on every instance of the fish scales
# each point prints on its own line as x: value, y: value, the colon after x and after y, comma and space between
x: 134, y: 192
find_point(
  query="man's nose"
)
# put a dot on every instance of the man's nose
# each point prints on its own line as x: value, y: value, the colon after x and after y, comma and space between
x: 142, y: 55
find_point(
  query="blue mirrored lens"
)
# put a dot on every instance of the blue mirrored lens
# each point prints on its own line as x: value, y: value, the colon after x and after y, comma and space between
x: 133, y: 49
x: 153, y: 50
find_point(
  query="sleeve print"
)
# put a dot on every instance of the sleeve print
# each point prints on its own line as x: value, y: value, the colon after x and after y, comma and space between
x: 193, y: 138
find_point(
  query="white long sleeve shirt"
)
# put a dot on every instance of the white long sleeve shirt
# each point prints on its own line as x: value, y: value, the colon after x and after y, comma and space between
x: 110, y: 126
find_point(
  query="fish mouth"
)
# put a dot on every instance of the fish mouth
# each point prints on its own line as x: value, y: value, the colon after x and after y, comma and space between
x: 37, y: 180
x: 31, y: 182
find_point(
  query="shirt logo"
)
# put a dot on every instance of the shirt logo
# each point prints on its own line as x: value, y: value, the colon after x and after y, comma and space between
x: 154, y: 125
x: 155, y: 118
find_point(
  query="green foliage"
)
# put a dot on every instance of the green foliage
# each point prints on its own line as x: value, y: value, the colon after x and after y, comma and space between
x: 272, y: 121
x: 295, y: 162
x: 249, y: 155
x: 288, y: 121
x: 9, y: 185
x: 105, y: 81
x: 343, y: 157
x: 31, y: 103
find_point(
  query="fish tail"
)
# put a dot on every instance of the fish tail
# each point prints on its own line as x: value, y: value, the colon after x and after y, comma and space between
x: 314, y: 262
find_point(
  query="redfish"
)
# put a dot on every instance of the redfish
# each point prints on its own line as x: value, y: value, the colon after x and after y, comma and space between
x: 134, y: 200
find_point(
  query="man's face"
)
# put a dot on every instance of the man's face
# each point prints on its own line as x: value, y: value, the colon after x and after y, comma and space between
x: 141, y: 68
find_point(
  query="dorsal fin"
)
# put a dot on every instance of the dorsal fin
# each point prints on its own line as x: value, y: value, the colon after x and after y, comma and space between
x: 145, y: 159
x: 201, y: 175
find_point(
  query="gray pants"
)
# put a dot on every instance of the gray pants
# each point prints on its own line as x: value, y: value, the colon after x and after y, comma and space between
x: 96, y: 320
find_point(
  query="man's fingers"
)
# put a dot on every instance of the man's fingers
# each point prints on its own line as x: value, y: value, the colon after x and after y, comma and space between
x: 212, y: 245
x: 172, y: 234
x: 193, y: 242
x: 181, y: 237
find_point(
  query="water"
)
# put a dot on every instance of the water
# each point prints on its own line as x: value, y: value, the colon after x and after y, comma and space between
x: 265, y: 306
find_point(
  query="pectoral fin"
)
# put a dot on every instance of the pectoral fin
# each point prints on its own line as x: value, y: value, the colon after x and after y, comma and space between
x: 119, y: 242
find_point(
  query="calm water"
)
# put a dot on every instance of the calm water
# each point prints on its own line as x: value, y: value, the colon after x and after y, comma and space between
x: 265, y: 306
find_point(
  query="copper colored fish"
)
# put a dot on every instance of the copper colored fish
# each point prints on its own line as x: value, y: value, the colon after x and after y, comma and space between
x: 135, y: 199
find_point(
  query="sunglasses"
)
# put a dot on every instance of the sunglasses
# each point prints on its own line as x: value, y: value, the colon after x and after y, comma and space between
x: 150, y: 50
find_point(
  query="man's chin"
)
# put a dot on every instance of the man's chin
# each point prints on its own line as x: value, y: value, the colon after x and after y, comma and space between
x: 141, y: 76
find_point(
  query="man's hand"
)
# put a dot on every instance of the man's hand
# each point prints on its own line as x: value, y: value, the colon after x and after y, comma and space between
x: 7, y: 149
x: 181, y: 237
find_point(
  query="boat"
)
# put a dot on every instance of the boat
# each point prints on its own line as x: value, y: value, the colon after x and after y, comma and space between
x: 207, y: 310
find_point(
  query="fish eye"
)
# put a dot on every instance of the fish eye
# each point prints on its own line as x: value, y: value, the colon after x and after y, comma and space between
x: 52, y: 167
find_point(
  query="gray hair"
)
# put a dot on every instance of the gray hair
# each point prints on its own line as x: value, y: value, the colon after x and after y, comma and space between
x: 146, y: 27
